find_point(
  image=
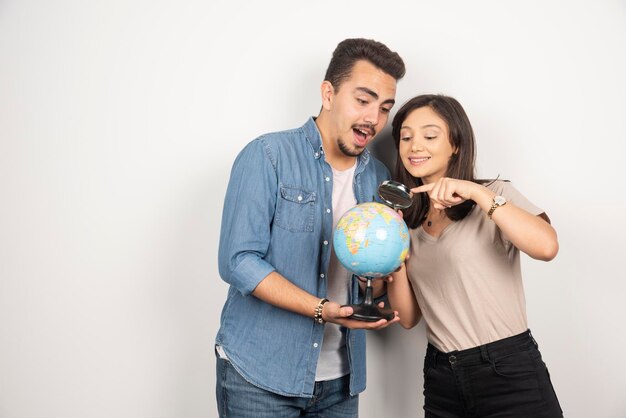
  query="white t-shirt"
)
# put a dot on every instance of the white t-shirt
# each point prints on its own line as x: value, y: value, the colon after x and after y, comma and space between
x: 333, y: 360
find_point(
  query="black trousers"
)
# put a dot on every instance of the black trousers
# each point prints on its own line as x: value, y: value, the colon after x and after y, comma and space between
x: 505, y: 378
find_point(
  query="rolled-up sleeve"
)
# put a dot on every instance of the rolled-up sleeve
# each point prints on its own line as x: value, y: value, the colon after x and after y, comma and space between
x: 247, y: 217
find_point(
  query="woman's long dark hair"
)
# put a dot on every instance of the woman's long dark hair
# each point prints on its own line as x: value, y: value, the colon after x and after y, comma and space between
x: 461, y: 164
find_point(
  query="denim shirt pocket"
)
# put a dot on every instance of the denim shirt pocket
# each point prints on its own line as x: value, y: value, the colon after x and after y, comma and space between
x: 295, y: 209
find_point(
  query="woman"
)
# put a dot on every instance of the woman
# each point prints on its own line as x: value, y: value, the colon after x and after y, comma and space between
x: 463, y: 274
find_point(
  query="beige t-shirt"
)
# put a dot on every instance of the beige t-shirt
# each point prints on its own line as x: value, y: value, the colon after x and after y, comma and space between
x: 468, y: 282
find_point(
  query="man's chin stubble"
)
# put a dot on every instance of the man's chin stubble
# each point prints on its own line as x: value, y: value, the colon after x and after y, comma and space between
x: 348, y: 152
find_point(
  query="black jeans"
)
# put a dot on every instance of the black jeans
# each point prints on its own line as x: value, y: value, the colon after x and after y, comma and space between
x: 505, y: 378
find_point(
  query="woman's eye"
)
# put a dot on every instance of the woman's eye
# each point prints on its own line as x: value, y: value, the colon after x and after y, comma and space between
x: 405, y: 138
x: 430, y: 137
x: 361, y: 101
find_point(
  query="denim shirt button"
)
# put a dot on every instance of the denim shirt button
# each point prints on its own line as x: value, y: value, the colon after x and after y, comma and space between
x: 325, y: 242
x: 322, y: 275
x: 299, y: 198
x: 327, y: 210
x: 315, y: 345
x: 327, y: 178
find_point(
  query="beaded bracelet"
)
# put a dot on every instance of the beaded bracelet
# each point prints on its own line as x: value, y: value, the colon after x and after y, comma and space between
x: 318, y: 311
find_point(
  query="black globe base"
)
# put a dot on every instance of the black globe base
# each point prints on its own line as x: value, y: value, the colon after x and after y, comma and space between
x: 370, y: 313
x: 367, y: 311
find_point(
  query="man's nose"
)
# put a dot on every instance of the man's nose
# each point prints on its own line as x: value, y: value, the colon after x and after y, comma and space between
x: 371, y: 116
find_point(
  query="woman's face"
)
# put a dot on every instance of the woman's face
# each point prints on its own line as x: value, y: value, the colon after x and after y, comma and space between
x: 425, y: 147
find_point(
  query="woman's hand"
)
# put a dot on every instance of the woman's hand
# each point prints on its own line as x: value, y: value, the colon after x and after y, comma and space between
x: 447, y: 192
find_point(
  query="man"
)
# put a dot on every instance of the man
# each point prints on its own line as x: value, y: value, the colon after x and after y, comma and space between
x: 286, y: 347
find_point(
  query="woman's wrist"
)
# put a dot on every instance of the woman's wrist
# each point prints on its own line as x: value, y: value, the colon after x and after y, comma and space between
x: 482, y: 196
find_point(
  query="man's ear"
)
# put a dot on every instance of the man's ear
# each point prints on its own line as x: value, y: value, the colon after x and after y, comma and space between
x: 328, y: 94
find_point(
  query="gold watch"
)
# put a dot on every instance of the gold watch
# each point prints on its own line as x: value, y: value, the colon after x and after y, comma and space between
x: 497, y: 202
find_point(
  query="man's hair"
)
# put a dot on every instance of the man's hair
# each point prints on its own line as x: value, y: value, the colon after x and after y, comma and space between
x: 349, y: 51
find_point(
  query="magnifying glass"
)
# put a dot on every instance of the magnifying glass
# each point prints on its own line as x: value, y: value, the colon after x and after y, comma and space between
x: 395, y: 195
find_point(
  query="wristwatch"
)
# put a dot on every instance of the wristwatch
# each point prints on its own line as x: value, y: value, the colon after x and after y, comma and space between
x: 497, y: 202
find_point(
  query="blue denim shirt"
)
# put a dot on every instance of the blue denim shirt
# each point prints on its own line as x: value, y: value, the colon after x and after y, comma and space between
x: 278, y: 217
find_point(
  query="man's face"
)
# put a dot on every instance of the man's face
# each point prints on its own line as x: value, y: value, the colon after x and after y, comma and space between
x: 360, y: 108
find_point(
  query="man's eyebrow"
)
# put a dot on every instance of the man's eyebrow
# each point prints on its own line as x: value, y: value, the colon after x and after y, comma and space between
x: 374, y: 95
x: 368, y: 91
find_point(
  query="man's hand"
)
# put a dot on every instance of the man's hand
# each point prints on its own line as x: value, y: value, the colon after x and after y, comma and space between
x: 336, y: 314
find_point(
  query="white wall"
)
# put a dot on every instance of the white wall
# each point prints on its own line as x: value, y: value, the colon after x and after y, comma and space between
x: 119, y: 122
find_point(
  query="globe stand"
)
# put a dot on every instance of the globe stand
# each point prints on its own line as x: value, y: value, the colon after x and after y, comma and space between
x: 396, y: 196
x: 367, y: 310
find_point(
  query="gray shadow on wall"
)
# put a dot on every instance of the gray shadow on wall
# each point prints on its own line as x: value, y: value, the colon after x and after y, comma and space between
x: 384, y: 149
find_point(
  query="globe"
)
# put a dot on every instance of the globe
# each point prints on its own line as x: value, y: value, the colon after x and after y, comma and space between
x: 371, y: 240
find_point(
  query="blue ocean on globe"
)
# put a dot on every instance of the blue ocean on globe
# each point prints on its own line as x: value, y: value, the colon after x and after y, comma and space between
x: 371, y: 240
